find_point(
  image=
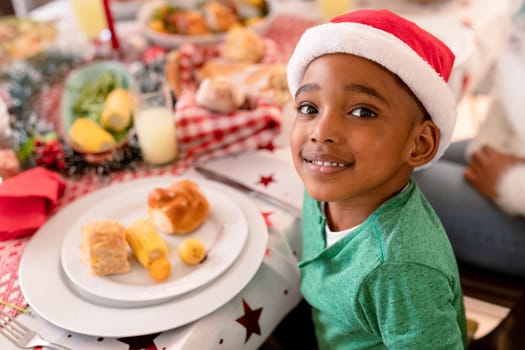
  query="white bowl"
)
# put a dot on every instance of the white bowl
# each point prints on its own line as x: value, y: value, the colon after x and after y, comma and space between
x: 126, y: 9
x: 169, y: 40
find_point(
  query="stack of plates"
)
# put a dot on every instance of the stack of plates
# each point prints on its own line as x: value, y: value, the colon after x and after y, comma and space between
x: 59, y: 287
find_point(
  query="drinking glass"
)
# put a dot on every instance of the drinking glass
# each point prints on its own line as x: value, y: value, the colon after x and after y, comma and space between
x: 155, y: 127
x: 91, y: 18
x: 331, y: 8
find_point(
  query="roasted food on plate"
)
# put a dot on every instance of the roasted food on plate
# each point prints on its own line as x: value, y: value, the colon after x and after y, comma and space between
x: 22, y: 38
x: 171, y: 23
x: 104, y: 247
x: 178, y: 209
x: 186, y: 22
x: 205, y: 17
x: 220, y: 17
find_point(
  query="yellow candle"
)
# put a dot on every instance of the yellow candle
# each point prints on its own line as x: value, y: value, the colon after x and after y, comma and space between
x: 90, y: 16
x: 155, y: 129
x: 331, y: 8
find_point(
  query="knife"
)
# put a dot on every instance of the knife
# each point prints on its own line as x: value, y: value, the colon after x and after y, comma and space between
x: 290, y: 208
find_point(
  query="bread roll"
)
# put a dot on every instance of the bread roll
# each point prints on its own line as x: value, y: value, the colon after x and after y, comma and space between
x: 219, y: 95
x: 252, y: 80
x: 178, y: 209
x: 243, y: 45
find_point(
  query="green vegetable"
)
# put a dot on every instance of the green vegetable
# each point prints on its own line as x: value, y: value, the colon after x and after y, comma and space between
x: 91, y: 96
x: 26, y: 149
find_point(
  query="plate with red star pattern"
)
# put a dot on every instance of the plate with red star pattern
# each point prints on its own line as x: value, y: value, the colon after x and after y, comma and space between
x: 48, y: 292
x: 223, y: 233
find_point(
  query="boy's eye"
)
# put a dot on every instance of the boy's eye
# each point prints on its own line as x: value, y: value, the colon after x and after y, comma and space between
x: 363, y: 112
x: 306, y: 109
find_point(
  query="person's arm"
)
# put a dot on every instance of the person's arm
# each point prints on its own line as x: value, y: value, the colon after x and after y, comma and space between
x: 412, y: 306
x: 499, y: 177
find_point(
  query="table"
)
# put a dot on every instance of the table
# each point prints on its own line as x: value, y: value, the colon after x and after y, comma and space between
x: 273, y: 291
x: 246, y: 320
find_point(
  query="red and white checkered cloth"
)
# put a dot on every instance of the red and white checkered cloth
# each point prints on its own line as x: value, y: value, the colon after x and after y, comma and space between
x: 202, y: 134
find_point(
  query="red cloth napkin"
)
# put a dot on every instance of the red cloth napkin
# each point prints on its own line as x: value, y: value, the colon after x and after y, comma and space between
x: 26, y: 200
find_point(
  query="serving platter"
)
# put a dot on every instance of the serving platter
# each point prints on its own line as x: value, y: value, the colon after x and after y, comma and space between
x: 172, y: 40
x: 223, y: 233
x: 24, y: 38
x: 46, y: 288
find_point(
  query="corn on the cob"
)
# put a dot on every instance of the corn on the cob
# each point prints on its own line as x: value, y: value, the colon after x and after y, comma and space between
x: 116, y: 114
x: 149, y: 248
x: 88, y: 136
x: 145, y: 242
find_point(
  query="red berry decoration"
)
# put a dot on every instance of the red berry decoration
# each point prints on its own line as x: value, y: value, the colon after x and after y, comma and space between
x: 153, y: 54
x: 49, y: 154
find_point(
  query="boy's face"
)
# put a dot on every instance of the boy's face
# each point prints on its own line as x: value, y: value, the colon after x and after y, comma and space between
x: 356, y: 131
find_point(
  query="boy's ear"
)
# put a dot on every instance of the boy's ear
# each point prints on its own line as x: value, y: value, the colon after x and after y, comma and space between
x: 426, y: 143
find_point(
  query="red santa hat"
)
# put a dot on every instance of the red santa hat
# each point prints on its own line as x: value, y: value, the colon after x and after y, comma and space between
x: 417, y: 57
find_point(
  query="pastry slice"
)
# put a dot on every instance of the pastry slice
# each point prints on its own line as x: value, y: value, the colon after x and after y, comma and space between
x: 104, y: 247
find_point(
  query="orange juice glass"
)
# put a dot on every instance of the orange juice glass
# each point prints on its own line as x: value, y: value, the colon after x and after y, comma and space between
x: 331, y: 8
x: 90, y: 17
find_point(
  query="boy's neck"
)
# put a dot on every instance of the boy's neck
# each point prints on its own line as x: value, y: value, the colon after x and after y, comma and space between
x: 343, y: 216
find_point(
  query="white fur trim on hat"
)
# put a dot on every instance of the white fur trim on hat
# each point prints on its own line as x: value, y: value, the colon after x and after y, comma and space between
x: 511, y: 195
x: 390, y: 52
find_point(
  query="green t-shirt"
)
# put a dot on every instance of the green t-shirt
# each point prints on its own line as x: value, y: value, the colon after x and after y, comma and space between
x: 393, y: 283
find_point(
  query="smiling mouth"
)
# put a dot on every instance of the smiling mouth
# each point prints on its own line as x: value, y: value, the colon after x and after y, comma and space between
x: 328, y: 164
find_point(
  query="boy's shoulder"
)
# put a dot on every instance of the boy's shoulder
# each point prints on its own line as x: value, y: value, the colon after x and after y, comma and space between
x: 409, y: 231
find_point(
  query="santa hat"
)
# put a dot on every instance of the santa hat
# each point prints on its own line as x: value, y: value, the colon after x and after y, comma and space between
x: 418, y: 58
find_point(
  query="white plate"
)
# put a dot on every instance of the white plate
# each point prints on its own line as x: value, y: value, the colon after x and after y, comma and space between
x: 170, y: 40
x: 126, y: 9
x: 44, y: 286
x: 223, y: 233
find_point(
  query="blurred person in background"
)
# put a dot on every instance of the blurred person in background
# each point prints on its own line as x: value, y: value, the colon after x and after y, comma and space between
x: 478, y: 187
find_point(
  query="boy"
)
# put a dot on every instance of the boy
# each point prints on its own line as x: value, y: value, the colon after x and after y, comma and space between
x: 373, y: 105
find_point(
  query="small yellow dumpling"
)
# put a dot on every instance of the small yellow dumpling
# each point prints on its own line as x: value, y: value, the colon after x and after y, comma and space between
x: 192, y: 251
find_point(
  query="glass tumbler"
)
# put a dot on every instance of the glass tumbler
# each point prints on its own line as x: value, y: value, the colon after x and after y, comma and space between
x: 154, y: 122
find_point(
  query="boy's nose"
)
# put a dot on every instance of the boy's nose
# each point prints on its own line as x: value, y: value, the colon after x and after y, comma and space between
x: 326, y: 129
